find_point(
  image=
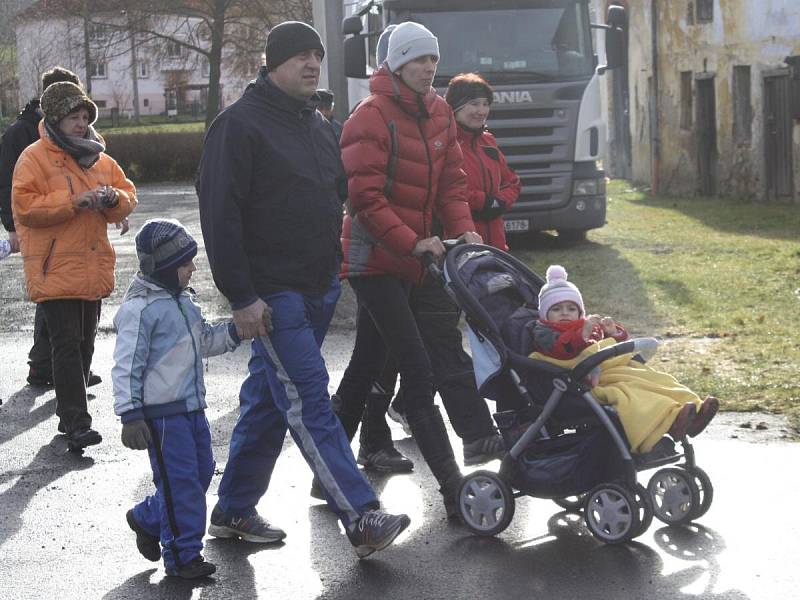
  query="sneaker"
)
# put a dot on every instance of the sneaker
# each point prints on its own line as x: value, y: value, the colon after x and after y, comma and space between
x: 39, y: 379
x: 484, y: 449
x: 93, y: 380
x: 148, y: 545
x: 81, y: 438
x: 682, y: 422
x: 708, y: 409
x: 194, y: 569
x: 375, y: 530
x: 316, y: 490
x: 386, y: 460
x: 254, y: 528
x: 400, y: 418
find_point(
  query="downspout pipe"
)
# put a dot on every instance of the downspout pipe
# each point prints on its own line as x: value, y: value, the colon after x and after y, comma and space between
x: 655, y: 136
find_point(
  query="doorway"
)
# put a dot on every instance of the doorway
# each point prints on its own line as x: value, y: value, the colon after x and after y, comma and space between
x: 706, y: 136
x: 777, y: 138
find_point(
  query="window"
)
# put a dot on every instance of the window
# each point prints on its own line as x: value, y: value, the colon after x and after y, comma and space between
x: 686, y: 99
x: 742, y: 104
x: 98, y: 32
x: 690, y: 13
x: 705, y: 11
x: 146, y: 102
x: 143, y: 70
x: 205, y: 67
x: 97, y: 70
x: 174, y: 49
x: 100, y: 103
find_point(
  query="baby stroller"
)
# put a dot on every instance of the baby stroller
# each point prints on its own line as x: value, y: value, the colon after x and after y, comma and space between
x: 562, y: 443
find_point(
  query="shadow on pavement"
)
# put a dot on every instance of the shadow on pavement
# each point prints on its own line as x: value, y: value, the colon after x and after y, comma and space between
x: 19, y: 414
x: 45, y: 468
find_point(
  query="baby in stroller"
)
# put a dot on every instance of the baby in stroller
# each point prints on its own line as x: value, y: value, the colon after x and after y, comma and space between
x: 567, y: 440
x: 649, y: 403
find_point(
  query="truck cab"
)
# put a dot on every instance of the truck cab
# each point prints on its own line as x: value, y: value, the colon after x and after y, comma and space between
x: 539, y: 57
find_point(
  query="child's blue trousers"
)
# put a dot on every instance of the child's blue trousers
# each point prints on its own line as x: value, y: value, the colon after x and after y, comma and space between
x: 183, y: 464
x: 287, y: 387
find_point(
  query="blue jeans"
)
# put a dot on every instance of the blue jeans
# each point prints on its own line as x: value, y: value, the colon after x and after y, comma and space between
x: 287, y: 387
x: 182, y: 464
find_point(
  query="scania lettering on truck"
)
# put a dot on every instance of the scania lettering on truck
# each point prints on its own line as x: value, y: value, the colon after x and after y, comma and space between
x: 539, y: 57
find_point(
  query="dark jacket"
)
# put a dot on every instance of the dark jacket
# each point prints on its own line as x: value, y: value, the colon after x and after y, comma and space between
x: 271, y: 186
x: 19, y: 135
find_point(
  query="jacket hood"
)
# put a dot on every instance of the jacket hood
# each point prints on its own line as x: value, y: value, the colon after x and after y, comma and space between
x: 385, y: 83
x: 465, y: 134
x: 31, y: 112
x: 141, y: 287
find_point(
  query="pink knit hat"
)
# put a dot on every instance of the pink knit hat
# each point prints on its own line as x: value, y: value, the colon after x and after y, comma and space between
x: 558, y: 289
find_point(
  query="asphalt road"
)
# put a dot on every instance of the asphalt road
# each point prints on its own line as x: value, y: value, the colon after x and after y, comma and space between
x: 63, y: 532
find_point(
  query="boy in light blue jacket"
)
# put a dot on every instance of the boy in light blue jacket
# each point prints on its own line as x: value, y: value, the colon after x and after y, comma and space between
x: 160, y: 396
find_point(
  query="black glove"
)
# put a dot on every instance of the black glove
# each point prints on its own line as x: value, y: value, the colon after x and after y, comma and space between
x: 492, y: 209
x: 136, y: 435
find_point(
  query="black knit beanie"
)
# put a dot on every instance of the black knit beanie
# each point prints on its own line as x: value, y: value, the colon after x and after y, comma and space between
x: 466, y: 87
x: 290, y: 38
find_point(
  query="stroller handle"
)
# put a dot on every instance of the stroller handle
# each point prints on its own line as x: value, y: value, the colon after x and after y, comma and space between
x: 429, y: 260
x: 644, y: 347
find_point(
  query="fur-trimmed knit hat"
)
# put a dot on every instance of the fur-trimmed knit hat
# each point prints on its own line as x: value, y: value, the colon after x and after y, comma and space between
x: 466, y: 87
x: 289, y: 38
x: 409, y: 41
x: 61, y: 98
x: 162, y: 246
x: 558, y: 289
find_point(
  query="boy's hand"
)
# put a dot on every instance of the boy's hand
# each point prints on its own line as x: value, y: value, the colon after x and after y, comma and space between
x: 136, y: 435
x: 254, y: 320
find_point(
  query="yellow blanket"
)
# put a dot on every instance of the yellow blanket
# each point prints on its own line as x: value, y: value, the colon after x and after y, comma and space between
x: 647, y: 401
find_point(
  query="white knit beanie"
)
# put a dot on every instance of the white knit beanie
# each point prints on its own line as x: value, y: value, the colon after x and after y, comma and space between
x: 409, y: 41
x: 558, y: 289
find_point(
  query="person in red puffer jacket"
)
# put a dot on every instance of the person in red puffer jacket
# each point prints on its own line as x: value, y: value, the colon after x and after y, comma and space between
x: 492, y: 185
x: 403, y: 163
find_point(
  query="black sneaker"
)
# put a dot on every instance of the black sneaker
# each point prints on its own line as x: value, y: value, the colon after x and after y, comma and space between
x: 39, y: 379
x: 254, y: 528
x: 148, y: 545
x: 484, y: 449
x: 375, y: 530
x: 93, y: 380
x: 386, y: 460
x: 80, y: 438
x: 194, y: 569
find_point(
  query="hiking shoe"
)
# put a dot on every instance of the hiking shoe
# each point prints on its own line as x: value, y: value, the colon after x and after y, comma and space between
x: 386, y: 460
x: 39, y: 379
x: 80, y: 438
x: 93, y: 380
x: 708, y: 409
x: 254, y: 528
x: 148, y: 545
x: 375, y: 530
x: 682, y: 422
x: 316, y: 490
x: 194, y: 569
x: 400, y: 418
x: 484, y: 449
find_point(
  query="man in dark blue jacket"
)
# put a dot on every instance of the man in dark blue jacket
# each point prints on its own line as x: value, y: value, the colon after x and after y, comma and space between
x: 271, y: 186
x: 19, y: 135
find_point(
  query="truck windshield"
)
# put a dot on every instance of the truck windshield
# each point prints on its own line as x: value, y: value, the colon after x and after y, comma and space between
x: 550, y: 43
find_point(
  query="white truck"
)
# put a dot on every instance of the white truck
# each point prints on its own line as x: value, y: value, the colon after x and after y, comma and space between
x: 539, y: 57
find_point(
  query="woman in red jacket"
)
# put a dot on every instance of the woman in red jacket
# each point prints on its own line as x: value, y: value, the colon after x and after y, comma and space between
x: 403, y: 163
x: 492, y: 186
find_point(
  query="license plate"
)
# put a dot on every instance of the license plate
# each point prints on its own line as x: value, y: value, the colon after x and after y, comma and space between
x: 517, y: 225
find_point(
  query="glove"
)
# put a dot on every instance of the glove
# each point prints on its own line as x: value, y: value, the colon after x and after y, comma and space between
x: 136, y: 435
x: 492, y: 209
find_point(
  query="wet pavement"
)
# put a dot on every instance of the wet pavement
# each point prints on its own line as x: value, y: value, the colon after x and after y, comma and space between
x: 63, y: 532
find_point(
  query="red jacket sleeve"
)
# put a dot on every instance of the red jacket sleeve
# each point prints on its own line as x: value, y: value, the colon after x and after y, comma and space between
x: 451, y: 202
x: 365, y: 151
x: 509, y: 183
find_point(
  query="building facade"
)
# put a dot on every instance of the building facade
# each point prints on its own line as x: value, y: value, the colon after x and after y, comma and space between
x: 712, y: 103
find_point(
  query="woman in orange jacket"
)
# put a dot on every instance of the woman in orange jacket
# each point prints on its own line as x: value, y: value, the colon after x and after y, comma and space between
x: 492, y: 185
x: 65, y: 192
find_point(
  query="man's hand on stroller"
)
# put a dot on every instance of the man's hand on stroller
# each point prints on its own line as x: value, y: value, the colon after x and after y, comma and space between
x: 432, y: 244
x: 471, y: 237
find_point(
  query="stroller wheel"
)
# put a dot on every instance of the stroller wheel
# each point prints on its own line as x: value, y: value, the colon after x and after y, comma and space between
x: 646, y: 512
x: 611, y: 513
x: 485, y: 503
x: 703, y: 483
x: 675, y: 495
x: 571, y: 503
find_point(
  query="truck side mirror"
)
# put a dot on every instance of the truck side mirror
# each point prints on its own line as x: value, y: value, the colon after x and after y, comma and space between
x: 616, y: 19
x: 352, y: 25
x: 355, y: 57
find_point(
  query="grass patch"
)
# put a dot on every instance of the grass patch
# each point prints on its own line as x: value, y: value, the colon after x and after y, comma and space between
x: 716, y: 279
x: 152, y: 128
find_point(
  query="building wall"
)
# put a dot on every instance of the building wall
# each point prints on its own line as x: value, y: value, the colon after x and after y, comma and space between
x: 743, y: 32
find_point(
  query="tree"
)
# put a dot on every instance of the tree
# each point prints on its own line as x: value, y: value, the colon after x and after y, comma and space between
x: 218, y: 30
